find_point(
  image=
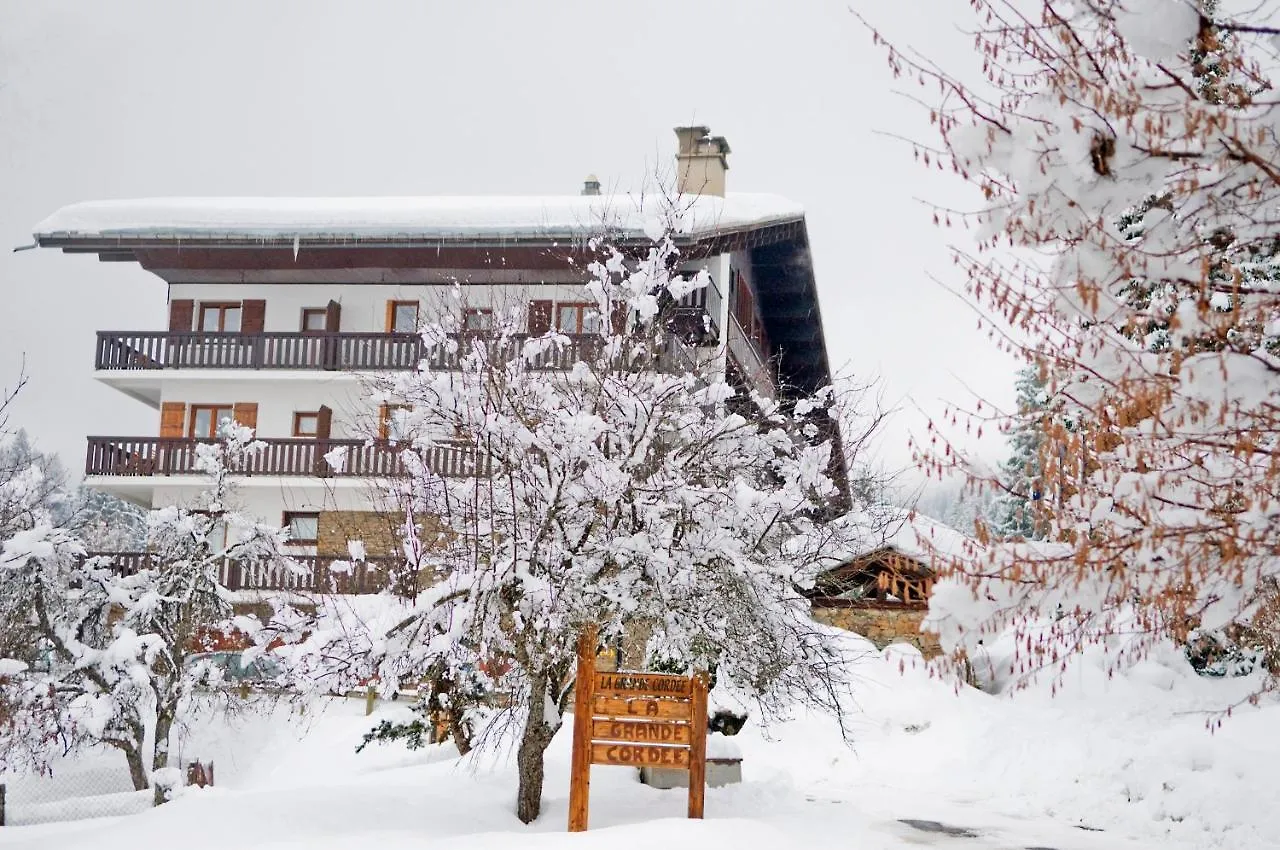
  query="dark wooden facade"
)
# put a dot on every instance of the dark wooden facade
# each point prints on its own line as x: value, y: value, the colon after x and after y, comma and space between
x: 881, y: 578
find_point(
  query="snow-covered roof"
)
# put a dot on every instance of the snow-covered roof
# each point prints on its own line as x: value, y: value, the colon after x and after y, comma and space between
x: 406, y: 218
x: 911, y: 534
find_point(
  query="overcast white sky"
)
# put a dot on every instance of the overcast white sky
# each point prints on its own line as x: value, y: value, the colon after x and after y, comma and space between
x: 135, y: 98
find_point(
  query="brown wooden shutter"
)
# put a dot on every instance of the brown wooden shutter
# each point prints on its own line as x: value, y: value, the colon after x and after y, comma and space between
x: 384, y: 421
x: 391, y: 316
x: 324, y: 422
x: 173, y: 420
x: 253, y: 316
x: 618, y: 317
x: 246, y: 413
x: 540, y: 317
x: 182, y: 313
x: 332, y: 317
x: 324, y: 426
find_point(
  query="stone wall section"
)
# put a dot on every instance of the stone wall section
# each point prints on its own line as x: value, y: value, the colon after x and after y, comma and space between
x: 883, y: 626
x: 379, y: 531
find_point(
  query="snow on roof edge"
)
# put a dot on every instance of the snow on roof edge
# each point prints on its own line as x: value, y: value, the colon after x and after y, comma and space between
x: 441, y: 218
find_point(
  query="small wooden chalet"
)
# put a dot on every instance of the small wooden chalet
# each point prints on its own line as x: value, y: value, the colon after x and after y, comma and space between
x: 883, y: 577
x: 881, y: 590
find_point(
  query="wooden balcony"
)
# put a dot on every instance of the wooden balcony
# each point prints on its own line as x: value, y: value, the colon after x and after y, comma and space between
x: 372, y: 352
x: 756, y: 372
x: 316, y: 574
x: 143, y: 456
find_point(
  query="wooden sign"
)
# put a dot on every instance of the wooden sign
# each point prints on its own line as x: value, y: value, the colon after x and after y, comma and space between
x: 635, y: 719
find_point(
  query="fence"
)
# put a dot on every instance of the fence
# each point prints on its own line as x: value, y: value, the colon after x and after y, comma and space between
x: 92, y: 785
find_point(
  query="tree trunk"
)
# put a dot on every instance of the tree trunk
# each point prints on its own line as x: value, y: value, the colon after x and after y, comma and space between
x: 160, y: 759
x: 132, y: 740
x: 538, y: 732
x: 459, y: 732
x: 137, y: 768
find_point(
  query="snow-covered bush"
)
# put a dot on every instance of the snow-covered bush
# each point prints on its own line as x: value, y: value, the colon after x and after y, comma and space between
x: 116, y: 666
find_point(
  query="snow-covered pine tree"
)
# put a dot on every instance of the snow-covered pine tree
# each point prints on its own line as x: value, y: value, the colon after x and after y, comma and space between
x: 119, y: 647
x: 107, y: 523
x: 621, y: 492
x: 18, y: 453
x: 1136, y: 145
x: 1017, y: 510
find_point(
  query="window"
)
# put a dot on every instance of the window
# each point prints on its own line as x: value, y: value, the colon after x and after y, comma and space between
x: 306, y: 423
x: 304, y: 527
x: 402, y: 317
x: 313, y: 319
x: 577, y: 319
x: 220, y: 318
x: 477, y: 321
x: 391, y: 422
x: 205, y: 419
x: 215, y: 531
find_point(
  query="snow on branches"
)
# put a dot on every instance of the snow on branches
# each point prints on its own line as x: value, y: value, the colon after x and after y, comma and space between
x: 112, y: 651
x: 1130, y: 148
x: 635, y: 490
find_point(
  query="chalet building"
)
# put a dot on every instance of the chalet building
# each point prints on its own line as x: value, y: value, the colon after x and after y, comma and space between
x: 279, y: 310
x: 881, y: 591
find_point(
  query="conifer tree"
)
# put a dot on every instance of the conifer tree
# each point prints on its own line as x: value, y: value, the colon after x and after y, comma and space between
x: 1022, y: 473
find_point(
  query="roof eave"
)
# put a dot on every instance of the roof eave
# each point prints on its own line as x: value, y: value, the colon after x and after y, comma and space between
x: 89, y: 243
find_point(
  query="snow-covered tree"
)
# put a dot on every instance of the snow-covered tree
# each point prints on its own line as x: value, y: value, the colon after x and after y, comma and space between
x: 18, y: 454
x: 1132, y: 146
x: 107, y: 523
x: 1016, y: 510
x: 118, y: 647
x: 623, y: 492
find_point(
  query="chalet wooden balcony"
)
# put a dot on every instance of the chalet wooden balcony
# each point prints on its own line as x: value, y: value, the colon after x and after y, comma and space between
x: 147, y: 456
x: 148, y: 351
x: 316, y: 574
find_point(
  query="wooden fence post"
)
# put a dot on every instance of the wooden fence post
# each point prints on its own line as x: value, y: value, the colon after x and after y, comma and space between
x: 698, y: 747
x: 580, y: 766
x: 1, y: 804
x: 370, y: 699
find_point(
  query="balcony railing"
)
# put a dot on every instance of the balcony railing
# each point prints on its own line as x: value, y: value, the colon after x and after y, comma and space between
x: 315, y: 574
x: 291, y: 457
x: 142, y: 350
x: 755, y: 369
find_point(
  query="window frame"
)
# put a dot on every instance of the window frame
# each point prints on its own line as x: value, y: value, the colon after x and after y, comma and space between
x: 322, y: 312
x: 385, y: 414
x: 191, y: 419
x: 287, y: 522
x: 395, y: 308
x: 221, y: 307
x: 580, y: 308
x: 297, y: 417
x: 486, y: 312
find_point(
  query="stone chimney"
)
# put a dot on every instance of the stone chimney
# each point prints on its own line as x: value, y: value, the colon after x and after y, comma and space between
x: 591, y: 186
x: 701, y: 161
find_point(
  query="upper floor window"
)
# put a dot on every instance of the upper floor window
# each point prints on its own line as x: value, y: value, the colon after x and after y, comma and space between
x: 215, y: 318
x: 304, y: 526
x: 402, y: 317
x: 393, y: 422
x: 577, y: 318
x: 306, y: 423
x: 205, y: 419
x: 313, y: 319
x: 477, y: 321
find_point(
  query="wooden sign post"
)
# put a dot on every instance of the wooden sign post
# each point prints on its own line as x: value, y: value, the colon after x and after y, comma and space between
x: 635, y: 719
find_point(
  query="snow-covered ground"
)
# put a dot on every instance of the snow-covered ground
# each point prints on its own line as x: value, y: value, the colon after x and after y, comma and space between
x: 1103, y: 765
